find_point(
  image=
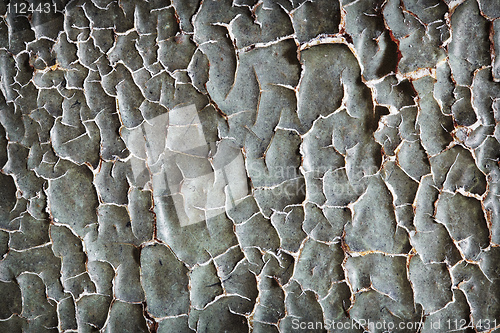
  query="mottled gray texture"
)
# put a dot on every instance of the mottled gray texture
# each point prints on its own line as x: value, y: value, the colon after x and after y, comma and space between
x: 233, y: 166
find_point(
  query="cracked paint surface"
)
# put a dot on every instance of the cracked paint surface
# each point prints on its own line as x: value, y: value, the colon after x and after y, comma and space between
x: 233, y: 166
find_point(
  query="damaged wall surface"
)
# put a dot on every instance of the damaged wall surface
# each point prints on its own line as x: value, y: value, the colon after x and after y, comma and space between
x: 250, y: 166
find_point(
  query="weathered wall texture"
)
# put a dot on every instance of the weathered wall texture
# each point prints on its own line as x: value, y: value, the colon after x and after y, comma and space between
x: 364, y: 180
